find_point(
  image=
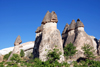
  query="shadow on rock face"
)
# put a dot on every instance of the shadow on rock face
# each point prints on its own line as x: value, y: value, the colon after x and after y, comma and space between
x: 81, y: 59
x: 36, y: 46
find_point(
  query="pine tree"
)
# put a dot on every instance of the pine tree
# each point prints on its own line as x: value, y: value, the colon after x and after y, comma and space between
x: 88, y: 51
x: 69, y: 50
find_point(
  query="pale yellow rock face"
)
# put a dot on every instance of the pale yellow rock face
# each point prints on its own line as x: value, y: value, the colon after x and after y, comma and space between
x: 50, y: 38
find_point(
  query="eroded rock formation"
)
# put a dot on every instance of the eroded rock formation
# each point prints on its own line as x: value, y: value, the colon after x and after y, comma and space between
x: 16, y: 49
x: 50, y: 37
x: 79, y: 37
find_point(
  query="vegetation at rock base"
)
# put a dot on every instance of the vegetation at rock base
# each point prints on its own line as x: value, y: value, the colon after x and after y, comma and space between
x: 88, y: 51
x: 69, y: 50
x: 7, y: 56
x: 53, y: 56
x: 22, y: 54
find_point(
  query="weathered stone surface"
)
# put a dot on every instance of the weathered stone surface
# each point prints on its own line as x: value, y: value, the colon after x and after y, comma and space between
x: 47, y: 18
x: 17, y: 41
x: 37, y: 44
x: 65, y: 34
x: 99, y: 47
x: 65, y: 29
x: 50, y: 38
x: 71, y: 33
x: 72, y: 25
x: 79, y: 23
x: 50, y: 17
x: 53, y: 17
x: 16, y: 49
x: 82, y: 38
x: 39, y: 29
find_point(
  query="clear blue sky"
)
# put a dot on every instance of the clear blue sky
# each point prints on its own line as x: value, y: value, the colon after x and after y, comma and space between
x: 22, y: 17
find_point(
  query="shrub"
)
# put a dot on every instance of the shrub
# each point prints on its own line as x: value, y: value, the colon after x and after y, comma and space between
x: 69, y: 50
x: 88, y: 51
x: 22, y: 54
x: 7, y: 56
x: 53, y: 55
x: 16, y: 58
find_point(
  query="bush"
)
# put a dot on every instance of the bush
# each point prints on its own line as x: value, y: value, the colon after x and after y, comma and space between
x: 69, y: 50
x: 16, y: 58
x: 22, y: 54
x: 7, y: 56
x: 53, y: 55
x: 88, y: 51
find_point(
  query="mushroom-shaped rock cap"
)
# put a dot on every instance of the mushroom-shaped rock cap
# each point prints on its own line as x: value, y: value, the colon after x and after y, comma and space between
x: 72, y: 25
x: 18, y: 40
x: 53, y: 17
x: 46, y: 18
x: 79, y: 23
x: 39, y: 29
x: 65, y: 29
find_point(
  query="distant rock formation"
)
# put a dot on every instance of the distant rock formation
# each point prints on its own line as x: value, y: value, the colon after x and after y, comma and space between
x: 50, y: 37
x: 65, y: 34
x: 99, y: 47
x: 79, y: 37
x: 16, y: 49
x: 71, y: 33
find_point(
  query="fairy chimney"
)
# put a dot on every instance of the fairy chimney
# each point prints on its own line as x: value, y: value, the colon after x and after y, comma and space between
x: 16, y: 49
x: 50, y: 37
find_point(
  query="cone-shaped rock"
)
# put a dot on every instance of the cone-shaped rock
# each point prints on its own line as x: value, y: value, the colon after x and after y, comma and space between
x: 46, y: 17
x: 39, y: 29
x: 71, y: 33
x: 16, y: 49
x: 65, y: 34
x: 53, y: 17
x: 82, y: 38
x: 18, y: 40
x: 65, y: 29
x: 72, y: 25
x: 79, y: 23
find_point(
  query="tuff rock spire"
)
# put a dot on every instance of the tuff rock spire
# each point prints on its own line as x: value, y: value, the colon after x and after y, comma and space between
x: 50, y: 17
x: 79, y: 23
x: 18, y: 40
x: 72, y: 25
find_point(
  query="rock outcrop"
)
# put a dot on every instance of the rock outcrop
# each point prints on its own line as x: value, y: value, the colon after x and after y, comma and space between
x: 16, y: 49
x: 50, y: 36
x: 65, y: 34
x: 79, y: 37
x: 71, y: 33
x: 37, y: 41
x: 99, y: 47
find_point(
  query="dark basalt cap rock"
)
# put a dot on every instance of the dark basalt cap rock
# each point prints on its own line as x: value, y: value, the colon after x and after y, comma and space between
x: 65, y: 29
x: 72, y: 25
x: 79, y: 23
x: 53, y: 17
x: 18, y: 40
x: 50, y: 17
x: 39, y: 29
x: 46, y: 18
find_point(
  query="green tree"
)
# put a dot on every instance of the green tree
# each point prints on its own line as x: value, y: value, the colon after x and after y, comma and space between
x: 88, y: 51
x: 7, y: 56
x: 15, y: 58
x: 22, y: 53
x: 69, y: 50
